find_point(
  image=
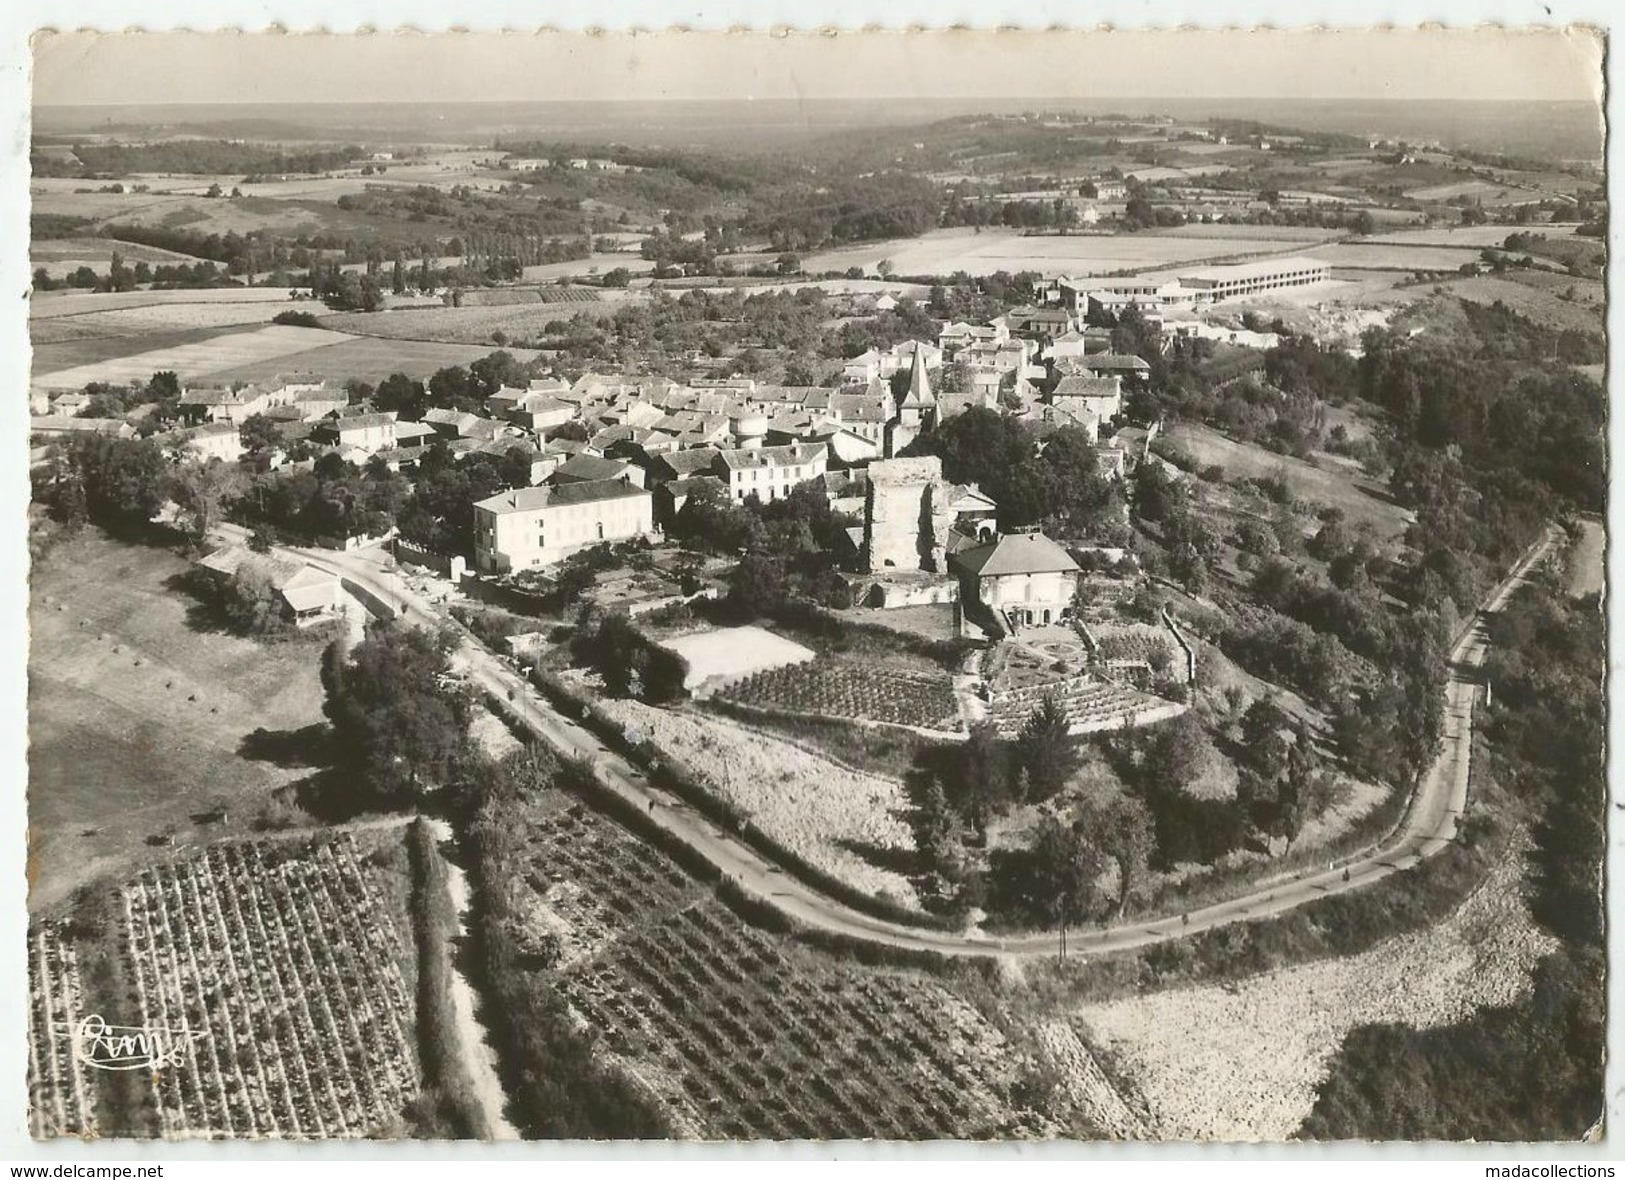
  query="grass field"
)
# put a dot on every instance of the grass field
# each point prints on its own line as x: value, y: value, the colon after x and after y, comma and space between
x: 1538, y: 298
x: 135, y: 719
x: 365, y: 359
x: 945, y: 251
x: 461, y: 325
x: 51, y: 304
x: 1386, y: 256
x: 1472, y: 237
x: 62, y: 255
x: 73, y: 352
x: 1243, y: 1061
x: 275, y: 343
x: 1361, y: 499
x: 143, y: 321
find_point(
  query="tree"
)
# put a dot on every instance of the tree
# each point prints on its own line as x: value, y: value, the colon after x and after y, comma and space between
x: 401, y: 395
x: 1045, y: 750
x: 758, y: 585
x: 1125, y: 831
x: 250, y: 602
x: 259, y: 435
x: 399, y: 721
x: 201, y: 491
x: 1066, y: 871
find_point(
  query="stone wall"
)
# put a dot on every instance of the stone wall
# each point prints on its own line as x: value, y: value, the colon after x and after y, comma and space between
x: 907, y: 516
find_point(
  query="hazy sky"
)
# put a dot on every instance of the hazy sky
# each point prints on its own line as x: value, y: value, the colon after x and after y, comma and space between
x: 451, y: 67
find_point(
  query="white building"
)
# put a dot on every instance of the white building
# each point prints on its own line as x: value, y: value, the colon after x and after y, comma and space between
x: 529, y: 528
x: 770, y: 472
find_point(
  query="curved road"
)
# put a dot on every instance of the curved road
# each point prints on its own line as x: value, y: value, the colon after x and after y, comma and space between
x: 1429, y: 824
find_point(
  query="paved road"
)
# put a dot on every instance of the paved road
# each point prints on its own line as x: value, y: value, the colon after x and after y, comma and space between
x: 1428, y: 826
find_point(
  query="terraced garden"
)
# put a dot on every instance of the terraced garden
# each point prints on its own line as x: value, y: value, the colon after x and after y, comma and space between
x: 863, y: 692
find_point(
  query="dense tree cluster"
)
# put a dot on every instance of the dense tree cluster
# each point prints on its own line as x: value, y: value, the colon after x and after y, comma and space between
x: 399, y: 717
x: 1053, y: 481
x: 1533, y: 1069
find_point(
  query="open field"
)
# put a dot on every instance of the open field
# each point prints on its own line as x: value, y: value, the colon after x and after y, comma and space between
x: 1270, y: 235
x: 1361, y: 499
x: 1472, y: 237
x: 136, y: 719
x: 735, y: 1032
x: 192, y: 211
x: 1482, y: 191
x: 69, y: 351
x: 1362, y: 256
x: 946, y: 251
x: 157, y: 317
x: 278, y: 343
x: 1243, y: 1061
x: 461, y: 325
x: 61, y: 255
x: 50, y: 304
x: 1537, y: 300
x: 595, y: 264
x: 726, y: 653
x: 843, y: 821
x: 365, y: 359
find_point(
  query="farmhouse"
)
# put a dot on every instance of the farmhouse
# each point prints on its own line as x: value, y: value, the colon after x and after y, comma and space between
x: 1023, y: 578
x: 532, y: 527
x: 308, y: 595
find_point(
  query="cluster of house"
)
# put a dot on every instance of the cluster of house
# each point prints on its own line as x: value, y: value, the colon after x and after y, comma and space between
x: 612, y: 457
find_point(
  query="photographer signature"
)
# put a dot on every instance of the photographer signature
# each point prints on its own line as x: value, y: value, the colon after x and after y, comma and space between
x: 100, y: 1045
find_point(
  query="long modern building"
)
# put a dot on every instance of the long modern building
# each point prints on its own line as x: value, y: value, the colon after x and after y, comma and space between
x: 1254, y: 278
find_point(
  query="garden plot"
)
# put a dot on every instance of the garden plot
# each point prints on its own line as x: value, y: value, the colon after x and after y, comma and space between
x: 861, y: 692
x: 288, y: 962
x: 831, y: 816
x: 738, y: 1034
x: 1243, y: 1061
x: 726, y: 653
x: 275, y: 342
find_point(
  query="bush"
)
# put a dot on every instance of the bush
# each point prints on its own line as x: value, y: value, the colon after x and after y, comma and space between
x: 296, y: 319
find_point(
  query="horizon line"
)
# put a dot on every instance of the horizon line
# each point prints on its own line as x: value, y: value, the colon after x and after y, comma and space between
x: 341, y: 102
